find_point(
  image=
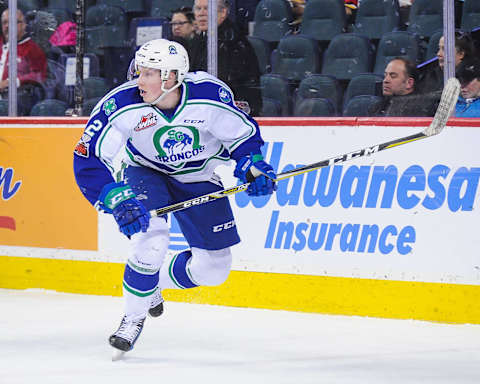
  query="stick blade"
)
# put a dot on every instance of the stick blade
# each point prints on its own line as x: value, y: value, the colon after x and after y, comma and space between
x: 445, y: 107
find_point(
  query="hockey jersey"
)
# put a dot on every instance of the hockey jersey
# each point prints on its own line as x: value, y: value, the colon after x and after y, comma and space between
x: 205, y: 130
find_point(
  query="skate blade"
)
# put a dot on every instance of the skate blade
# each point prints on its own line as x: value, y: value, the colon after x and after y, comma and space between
x: 117, y: 354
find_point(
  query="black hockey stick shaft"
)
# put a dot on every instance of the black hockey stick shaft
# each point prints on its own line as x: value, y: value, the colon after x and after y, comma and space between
x: 284, y: 175
x: 447, y: 104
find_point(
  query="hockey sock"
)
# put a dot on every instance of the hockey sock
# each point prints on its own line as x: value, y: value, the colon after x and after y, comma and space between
x: 175, y: 272
x: 139, y: 283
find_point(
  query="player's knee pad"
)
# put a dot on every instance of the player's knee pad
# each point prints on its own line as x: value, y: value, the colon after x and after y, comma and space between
x: 208, y: 267
x: 149, y: 248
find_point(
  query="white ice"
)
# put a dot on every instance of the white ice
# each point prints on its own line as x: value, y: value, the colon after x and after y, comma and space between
x: 50, y: 338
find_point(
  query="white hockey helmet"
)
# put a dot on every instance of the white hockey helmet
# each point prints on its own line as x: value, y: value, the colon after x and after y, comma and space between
x: 165, y: 55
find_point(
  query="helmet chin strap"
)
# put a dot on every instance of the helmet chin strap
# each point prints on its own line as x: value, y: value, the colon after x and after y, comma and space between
x: 164, y: 90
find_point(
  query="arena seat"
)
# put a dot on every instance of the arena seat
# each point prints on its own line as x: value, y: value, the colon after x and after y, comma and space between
x: 376, y: 17
x: 363, y: 84
x: 314, y: 107
x: 347, y: 55
x: 276, y: 87
x: 393, y: 44
x: 426, y: 17
x: 323, y: 19
x: 470, y: 15
x: 272, y: 20
x: 360, y: 105
x: 317, y: 86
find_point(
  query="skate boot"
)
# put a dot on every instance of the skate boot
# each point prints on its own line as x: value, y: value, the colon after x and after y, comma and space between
x: 126, y: 335
x: 156, y: 306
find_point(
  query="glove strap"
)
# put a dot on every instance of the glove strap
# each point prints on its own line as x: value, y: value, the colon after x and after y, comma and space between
x: 114, y: 193
x: 257, y: 157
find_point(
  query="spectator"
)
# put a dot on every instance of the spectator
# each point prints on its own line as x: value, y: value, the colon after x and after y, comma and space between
x: 463, y: 48
x: 468, y: 73
x: 65, y: 37
x: 182, y: 26
x: 298, y: 7
x: 400, y: 95
x: 351, y: 10
x: 405, y: 6
x: 244, y: 13
x: 237, y: 62
x: 431, y: 79
x: 31, y: 60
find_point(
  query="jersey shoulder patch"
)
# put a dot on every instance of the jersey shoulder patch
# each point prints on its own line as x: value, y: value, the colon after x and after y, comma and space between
x: 202, y: 85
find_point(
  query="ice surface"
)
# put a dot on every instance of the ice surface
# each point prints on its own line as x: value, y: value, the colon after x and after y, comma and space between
x: 48, y: 337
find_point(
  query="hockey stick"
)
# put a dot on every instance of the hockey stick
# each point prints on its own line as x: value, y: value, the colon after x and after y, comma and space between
x: 445, y: 108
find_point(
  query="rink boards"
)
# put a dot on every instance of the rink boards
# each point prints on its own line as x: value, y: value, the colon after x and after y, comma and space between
x: 391, y: 235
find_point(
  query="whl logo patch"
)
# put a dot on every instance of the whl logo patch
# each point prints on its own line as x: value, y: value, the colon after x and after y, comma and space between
x: 146, y: 122
x: 83, y: 146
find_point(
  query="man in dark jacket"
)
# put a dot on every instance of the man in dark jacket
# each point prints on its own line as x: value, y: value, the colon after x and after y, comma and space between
x: 237, y: 62
x: 400, y: 95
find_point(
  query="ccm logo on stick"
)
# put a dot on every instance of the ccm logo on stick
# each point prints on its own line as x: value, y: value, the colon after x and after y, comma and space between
x: 197, y: 201
x: 221, y: 227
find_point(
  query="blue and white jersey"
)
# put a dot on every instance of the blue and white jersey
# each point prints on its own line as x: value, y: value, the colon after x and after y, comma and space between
x: 205, y: 130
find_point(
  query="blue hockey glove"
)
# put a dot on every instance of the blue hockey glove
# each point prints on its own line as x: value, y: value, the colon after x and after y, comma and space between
x: 129, y: 213
x: 252, y: 169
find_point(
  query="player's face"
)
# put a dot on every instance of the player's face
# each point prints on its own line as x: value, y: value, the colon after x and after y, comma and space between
x: 395, y: 80
x: 471, y: 90
x: 150, y: 83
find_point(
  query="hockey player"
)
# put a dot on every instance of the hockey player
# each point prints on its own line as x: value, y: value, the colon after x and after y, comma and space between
x: 174, y: 128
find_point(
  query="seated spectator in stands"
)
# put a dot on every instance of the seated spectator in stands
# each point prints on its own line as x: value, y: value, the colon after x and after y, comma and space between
x: 400, y: 96
x: 432, y: 77
x: 31, y: 60
x: 350, y: 10
x: 182, y: 26
x: 468, y: 73
x: 405, y: 6
x: 298, y: 7
x: 244, y: 13
x: 237, y: 62
x: 65, y: 37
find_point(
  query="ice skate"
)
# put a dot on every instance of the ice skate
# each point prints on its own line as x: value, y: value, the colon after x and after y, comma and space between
x: 156, y: 306
x: 125, y: 336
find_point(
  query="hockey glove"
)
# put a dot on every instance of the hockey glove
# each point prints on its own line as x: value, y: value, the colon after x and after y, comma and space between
x: 129, y: 213
x: 252, y: 169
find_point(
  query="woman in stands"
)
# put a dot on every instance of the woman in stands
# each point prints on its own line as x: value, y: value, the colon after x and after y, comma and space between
x: 431, y: 79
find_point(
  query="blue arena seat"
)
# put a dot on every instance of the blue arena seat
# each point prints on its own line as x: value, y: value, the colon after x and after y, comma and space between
x: 323, y: 19
x: 314, y: 107
x: 361, y: 105
x: 363, y: 84
x: 426, y: 17
x: 272, y: 20
x: 276, y: 87
x: 49, y: 107
x: 137, y: 7
x: 162, y: 8
x: 393, y: 44
x: 432, y: 46
x: 263, y: 51
x: 347, y: 55
x: 105, y: 26
x: 317, y: 86
x: 376, y: 17
x: 296, y: 57
x: 470, y: 15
